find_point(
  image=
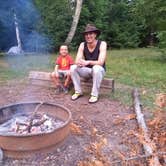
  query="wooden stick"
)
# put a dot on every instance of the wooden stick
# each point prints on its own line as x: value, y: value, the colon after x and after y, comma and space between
x: 32, y: 117
x: 149, y: 150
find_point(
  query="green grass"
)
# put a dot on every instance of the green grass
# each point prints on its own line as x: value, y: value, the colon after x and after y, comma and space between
x: 141, y: 68
x: 18, y: 67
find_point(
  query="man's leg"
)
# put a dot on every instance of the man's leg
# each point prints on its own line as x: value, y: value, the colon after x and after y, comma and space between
x: 76, y: 73
x: 98, y: 73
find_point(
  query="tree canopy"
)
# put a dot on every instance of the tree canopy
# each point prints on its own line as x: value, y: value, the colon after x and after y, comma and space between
x: 124, y: 23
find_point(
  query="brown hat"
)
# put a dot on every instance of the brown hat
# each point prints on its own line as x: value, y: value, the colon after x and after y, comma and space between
x: 91, y: 28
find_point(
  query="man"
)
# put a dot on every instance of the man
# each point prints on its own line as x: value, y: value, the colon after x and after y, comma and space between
x: 89, y: 63
x: 62, y: 69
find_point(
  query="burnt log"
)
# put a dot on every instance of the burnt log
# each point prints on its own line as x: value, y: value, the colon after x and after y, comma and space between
x: 38, y: 123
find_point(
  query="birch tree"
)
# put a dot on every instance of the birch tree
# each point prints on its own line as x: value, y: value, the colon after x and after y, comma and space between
x: 74, y: 22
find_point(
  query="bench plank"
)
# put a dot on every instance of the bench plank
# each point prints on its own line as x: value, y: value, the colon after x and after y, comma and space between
x: 44, y: 79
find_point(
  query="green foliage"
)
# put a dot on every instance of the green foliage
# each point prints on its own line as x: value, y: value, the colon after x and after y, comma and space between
x: 124, y: 23
x: 152, y: 15
x: 92, y: 12
x: 57, y: 17
x: 123, y: 28
x: 162, y: 43
x: 114, y: 18
x: 162, y: 37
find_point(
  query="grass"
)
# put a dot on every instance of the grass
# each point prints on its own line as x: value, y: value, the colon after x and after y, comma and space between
x: 141, y: 68
x: 18, y: 67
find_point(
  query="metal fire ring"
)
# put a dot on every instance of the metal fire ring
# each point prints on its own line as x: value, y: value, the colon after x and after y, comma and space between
x: 18, y: 146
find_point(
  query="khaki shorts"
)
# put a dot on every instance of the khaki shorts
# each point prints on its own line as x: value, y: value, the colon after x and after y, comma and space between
x: 63, y: 73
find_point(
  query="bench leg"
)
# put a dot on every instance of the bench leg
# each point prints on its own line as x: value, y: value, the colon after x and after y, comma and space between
x: 113, y: 86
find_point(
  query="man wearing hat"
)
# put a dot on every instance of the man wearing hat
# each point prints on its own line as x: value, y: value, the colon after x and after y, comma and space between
x: 89, y: 63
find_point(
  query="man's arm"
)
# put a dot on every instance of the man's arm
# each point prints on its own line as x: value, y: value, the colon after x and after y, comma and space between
x: 79, y: 56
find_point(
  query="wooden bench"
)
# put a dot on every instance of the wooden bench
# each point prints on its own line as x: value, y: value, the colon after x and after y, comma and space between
x: 44, y: 79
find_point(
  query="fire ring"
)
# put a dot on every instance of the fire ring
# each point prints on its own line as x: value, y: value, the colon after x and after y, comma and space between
x: 25, y: 145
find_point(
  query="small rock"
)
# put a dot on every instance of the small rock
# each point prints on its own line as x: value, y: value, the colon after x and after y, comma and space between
x: 115, y: 133
x: 58, y: 150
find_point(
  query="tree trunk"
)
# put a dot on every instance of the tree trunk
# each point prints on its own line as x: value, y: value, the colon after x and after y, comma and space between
x: 75, y: 22
x: 17, y: 32
x: 151, y: 38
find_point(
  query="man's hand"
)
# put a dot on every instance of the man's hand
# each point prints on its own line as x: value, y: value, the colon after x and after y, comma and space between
x: 83, y: 63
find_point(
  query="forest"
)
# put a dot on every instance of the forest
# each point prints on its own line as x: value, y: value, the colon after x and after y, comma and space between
x: 44, y: 25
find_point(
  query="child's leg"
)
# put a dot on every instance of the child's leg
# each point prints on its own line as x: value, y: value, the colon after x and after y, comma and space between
x: 67, y: 81
x: 67, y: 78
x: 55, y: 79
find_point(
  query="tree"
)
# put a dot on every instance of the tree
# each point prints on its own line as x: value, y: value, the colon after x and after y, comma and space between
x: 151, y: 13
x: 122, y: 28
x: 92, y: 12
x: 57, y: 19
x: 75, y: 22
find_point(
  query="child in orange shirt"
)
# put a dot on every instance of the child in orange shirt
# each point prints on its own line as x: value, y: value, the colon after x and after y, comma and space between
x: 62, y: 69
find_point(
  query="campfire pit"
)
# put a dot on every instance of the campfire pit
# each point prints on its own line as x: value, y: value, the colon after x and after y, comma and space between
x: 19, y: 145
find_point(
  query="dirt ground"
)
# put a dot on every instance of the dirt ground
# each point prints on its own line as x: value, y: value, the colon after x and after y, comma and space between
x: 102, y: 134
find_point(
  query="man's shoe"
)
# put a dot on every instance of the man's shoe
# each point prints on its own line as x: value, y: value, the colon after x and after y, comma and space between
x: 76, y: 95
x: 93, y: 99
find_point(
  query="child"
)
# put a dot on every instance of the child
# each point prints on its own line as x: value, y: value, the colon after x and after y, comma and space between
x: 62, y: 69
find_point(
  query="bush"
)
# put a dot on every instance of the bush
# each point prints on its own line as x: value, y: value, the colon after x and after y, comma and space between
x: 162, y: 43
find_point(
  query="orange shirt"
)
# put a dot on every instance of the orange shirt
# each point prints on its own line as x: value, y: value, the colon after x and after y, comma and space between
x: 64, y: 62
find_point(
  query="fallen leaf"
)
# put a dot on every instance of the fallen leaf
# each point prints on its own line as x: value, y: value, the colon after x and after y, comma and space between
x: 161, y: 100
x: 94, y: 131
x: 75, y: 129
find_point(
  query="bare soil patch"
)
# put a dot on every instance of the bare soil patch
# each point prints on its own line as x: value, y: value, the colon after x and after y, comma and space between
x: 101, y: 133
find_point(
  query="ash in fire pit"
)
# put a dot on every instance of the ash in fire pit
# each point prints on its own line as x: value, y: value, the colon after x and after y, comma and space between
x: 24, y: 126
x: 21, y: 124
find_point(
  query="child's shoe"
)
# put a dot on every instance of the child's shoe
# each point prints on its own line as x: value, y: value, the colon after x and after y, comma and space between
x: 65, y: 89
